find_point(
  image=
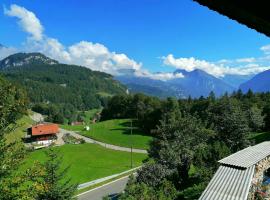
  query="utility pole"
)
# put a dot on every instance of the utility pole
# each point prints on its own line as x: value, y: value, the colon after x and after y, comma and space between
x: 131, y: 160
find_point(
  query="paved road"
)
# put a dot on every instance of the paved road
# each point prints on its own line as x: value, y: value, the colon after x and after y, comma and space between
x: 108, y: 146
x: 112, y: 189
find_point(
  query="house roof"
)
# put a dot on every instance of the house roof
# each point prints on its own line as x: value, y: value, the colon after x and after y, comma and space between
x: 253, y: 14
x: 248, y: 156
x: 44, y: 129
x: 229, y: 183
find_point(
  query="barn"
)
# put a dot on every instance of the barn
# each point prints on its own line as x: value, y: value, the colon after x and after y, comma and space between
x: 242, y: 175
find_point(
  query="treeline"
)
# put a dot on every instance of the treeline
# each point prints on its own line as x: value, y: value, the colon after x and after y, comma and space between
x: 149, y: 111
x: 190, y: 136
x: 65, y: 88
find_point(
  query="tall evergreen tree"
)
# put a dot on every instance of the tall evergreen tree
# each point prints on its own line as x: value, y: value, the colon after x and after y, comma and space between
x: 49, y: 179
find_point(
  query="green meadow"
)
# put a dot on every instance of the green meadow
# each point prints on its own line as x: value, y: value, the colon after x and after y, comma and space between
x: 116, y: 131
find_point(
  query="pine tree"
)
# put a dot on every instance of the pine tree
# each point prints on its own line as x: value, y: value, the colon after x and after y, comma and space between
x: 49, y: 180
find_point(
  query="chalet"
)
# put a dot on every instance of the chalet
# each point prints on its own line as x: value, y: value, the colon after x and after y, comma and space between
x: 242, y: 175
x: 43, y: 134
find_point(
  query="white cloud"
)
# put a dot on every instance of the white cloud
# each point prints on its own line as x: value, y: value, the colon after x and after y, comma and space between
x: 28, y: 21
x: 266, y: 49
x: 246, y: 60
x: 163, y: 76
x: 7, y: 51
x: 92, y: 55
x: 215, y: 69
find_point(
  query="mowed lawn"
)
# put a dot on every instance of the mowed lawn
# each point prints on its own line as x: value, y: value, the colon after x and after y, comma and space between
x: 115, y: 132
x: 89, y: 161
x: 259, y: 137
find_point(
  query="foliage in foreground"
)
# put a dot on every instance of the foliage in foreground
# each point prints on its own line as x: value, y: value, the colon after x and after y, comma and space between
x: 45, y: 181
x: 13, y: 103
x: 49, y: 181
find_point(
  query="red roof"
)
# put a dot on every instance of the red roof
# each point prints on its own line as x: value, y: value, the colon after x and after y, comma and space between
x: 44, y: 129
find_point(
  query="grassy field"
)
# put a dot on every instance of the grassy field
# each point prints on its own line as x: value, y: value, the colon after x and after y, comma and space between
x: 260, y: 137
x: 90, y: 114
x: 20, y: 129
x: 90, y: 161
x: 115, y: 132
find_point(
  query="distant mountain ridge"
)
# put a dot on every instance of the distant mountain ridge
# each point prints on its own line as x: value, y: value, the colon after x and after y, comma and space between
x: 259, y: 83
x: 150, y: 86
x: 195, y: 84
x: 199, y: 83
x: 22, y: 59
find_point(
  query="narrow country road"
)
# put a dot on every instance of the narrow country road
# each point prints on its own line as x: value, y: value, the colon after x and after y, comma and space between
x: 108, y: 146
x: 111, y: 189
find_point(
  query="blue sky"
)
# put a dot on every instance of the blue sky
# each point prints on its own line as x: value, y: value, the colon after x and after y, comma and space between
x: 145, y: 31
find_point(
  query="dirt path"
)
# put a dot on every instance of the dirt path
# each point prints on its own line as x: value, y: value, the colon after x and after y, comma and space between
x: 37, y: 117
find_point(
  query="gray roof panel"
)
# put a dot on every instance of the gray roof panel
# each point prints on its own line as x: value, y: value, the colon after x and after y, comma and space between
x: 229, y: 183
x: 248, y: 156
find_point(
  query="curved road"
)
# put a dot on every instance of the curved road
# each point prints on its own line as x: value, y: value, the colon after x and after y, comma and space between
x: 112, y: 189
x: 108, y: 146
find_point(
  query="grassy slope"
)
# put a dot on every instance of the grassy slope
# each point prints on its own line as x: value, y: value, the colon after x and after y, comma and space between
x: 115, y: 132
x: 90, y: 114
x: 89, y: 161
x: 19, y: 132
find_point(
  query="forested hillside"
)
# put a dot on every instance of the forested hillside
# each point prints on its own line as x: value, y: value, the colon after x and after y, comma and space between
x: 66, y: 88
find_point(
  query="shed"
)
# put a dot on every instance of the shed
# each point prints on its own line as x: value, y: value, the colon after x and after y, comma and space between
x: 240, y: 175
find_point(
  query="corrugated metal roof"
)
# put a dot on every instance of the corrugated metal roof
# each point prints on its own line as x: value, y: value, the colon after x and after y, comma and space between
x: 229, y: 183
x: 248, y: 156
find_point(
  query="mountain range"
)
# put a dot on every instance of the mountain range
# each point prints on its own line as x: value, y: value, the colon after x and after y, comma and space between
x: 195, y: 84
x: 35, y: 71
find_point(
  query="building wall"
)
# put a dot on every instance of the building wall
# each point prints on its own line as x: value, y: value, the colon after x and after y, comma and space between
x: 257, y: 180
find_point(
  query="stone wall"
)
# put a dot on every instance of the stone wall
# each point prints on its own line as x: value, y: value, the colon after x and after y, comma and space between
x: 257, y: 180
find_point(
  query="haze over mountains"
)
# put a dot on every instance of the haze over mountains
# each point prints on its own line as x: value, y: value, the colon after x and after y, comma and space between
x: 195, y: 83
